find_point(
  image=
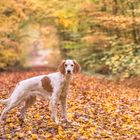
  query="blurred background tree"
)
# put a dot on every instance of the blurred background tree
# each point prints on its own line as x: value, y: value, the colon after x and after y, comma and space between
x: 103, y: 35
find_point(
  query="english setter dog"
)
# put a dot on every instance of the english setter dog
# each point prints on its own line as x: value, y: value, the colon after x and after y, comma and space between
x: 54, y: 85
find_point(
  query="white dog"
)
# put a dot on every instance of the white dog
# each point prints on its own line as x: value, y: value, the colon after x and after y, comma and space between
x: 55, y: 86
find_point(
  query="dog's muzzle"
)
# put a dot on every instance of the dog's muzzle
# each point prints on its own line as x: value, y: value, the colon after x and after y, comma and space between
x: 68, y: 72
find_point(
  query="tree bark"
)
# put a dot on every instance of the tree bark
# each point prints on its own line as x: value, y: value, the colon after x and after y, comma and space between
x: 134, y: 29
x: 115, y: 7
x: 104, y: 6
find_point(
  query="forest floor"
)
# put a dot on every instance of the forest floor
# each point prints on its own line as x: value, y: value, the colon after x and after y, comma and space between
x: 97, y: 108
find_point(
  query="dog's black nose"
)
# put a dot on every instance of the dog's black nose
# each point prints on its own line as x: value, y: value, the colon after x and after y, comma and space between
x: 68, y: 71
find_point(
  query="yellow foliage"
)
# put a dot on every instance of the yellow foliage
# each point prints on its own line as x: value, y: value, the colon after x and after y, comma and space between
x: 8, y: 57
x: 8, y: 136
x: 34, y: 137
x: 37, y: 116
x: 20, y: 135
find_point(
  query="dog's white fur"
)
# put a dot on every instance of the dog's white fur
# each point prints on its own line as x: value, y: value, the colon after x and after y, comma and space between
x: 27, y: 90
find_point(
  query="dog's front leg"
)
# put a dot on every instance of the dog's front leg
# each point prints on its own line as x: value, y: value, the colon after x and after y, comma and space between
x: 64, y: 107
x: 53, y: 105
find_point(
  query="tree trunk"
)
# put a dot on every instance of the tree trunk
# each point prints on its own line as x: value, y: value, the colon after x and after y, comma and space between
x: 104, y: 6
x: 115, y: 7
x: 134, y: 29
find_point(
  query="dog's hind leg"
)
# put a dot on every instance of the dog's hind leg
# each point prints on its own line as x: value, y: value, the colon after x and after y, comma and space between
x: 28, y: 103
x: 10, y: 105
x: 8, y: 108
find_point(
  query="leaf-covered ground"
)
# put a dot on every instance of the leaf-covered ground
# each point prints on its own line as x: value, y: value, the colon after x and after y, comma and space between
x: 97, y: 108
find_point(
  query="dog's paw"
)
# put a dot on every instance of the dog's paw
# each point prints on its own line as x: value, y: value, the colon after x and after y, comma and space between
x: 65, y: 120
x: 22, y: 119
x: 56, y: 121
x: 3, y: 118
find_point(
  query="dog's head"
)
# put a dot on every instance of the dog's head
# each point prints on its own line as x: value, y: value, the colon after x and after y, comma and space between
x: 69, y: 67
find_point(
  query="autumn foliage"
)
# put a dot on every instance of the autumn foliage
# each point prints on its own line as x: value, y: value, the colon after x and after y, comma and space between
x: 104, y: 37
x: 97, y: 109
x: 91, y: 31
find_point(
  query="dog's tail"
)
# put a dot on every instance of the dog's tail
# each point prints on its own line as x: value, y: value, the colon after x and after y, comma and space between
x: 4, y: 101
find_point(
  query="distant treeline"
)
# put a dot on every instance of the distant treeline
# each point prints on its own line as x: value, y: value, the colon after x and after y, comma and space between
x: 103, y: 35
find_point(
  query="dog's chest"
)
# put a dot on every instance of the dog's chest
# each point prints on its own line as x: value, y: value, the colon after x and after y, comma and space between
x: 64, y: 87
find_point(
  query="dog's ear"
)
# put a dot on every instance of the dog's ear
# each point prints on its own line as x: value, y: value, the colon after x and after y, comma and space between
x: 77, y: 67
x: 61, y: 67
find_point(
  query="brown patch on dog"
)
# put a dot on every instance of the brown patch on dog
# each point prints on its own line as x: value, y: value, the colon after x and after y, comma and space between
x: 61, y: 67
x: 46, y: 84
x: 77, y: 67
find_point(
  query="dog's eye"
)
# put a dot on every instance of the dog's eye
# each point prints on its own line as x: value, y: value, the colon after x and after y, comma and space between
x: 65, y: 65
x: 72, y: 65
